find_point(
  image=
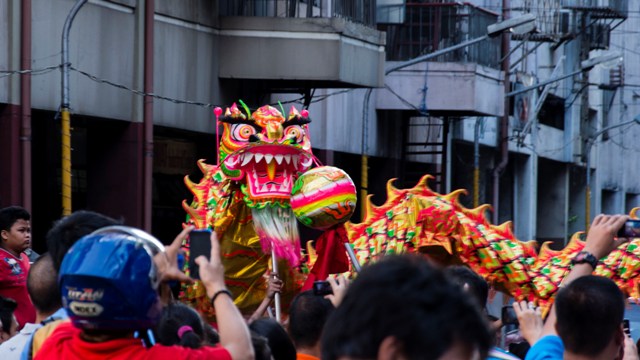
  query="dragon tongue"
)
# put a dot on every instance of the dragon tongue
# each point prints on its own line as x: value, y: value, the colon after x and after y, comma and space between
x: 271, y: 170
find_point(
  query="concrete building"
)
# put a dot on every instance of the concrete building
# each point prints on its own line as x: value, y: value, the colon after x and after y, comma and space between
x: 532, y: 150
x: 199, y: 54
x: 448, y: 116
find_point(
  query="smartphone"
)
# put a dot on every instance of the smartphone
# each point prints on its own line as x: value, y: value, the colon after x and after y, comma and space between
x: 630, y: 229
x: 322, y: 288
x: 509, y: 315
x: 199, y: 244
x: 626, y: 326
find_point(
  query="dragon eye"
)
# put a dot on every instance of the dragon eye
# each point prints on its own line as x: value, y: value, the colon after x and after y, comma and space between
x: 242, y: 132
x: 294, y: 132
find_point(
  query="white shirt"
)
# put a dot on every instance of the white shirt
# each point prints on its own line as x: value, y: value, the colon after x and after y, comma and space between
x: 12, y: 348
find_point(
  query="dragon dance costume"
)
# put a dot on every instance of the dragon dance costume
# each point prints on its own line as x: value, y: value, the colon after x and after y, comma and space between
x: 264, y: 170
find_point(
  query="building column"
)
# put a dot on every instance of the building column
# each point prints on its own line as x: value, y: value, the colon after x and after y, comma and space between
x: 526, y: 198
x: 10, y: 150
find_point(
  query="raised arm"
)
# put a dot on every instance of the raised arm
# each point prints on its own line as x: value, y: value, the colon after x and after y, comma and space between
x: 234, y: 333
x: 600, y: 242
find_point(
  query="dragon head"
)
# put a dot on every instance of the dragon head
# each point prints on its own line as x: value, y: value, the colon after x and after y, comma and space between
x: 266, y: 150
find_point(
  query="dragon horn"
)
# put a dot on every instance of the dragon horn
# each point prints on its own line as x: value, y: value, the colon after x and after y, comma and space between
x: 246, y: 108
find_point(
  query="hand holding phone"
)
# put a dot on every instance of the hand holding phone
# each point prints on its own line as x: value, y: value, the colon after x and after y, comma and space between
x: 199, y: 244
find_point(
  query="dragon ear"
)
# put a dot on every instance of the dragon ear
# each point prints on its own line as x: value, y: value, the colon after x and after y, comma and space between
x: 293, y: 113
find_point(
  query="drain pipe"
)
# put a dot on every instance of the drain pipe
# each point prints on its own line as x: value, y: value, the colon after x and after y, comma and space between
x: 503, y: 133
x: 476, y: 162
x: 64, y: 111
x: 25, y: 103
x: 147, y: 174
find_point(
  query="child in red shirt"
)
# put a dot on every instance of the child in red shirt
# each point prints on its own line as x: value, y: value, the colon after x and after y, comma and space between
x: 15, y: 238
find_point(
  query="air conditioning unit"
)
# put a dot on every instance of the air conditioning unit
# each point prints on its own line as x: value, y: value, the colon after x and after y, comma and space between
x: 599, y: 35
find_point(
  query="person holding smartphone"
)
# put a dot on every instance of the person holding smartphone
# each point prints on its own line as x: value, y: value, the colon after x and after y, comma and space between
x: 110, y: 299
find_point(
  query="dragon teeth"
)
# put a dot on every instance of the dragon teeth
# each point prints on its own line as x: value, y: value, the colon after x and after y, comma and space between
x: 268, y: 158
x: 278, y: 159
x: 306, y: 162
x: 294, y: 161
x: 273, y: 188
x: 258, y: 157
x: 247, y: 158
x: 287, y: 158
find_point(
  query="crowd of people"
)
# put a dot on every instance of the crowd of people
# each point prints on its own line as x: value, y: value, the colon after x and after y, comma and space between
x: 102, y: 291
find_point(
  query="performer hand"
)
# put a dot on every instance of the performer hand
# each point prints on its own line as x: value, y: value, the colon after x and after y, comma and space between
x: 167, y: 261
x: 601, y: 236
x: 530, y: 321
x: 339, y: 286
x: 274, y: 286
x: 212, y: 271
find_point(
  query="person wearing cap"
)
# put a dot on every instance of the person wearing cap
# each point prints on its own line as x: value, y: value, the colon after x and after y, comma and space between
x: 109, y: 284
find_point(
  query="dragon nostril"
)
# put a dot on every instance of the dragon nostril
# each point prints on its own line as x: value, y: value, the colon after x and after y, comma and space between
x: 253, y: 138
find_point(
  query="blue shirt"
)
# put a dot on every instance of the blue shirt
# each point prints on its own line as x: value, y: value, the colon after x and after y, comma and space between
x: 549, y: 347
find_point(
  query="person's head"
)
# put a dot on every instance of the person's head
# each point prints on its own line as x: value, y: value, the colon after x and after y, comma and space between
x: 8, y: 323
x: 260, y: 347
x: 308, y: 315
x: 15, y: 229
x: 403, y: 307
x: 180, y: 325
x: 42, y: 285
x: 279, y: 342
x: 470, y: 282
x: 109, y: 282
x: 66, y: 231
x: 589, y: 315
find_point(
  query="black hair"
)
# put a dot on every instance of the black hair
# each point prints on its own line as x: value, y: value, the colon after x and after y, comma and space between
x: 66, y: 231
x: 406, y: 298
x: 260, y: 345
x: 308, y: 314
x: 7, y: 307
x: 477, y: 286
x: 589, y: 311
x: 211, y: 336
x: 42, y: 285
x: 279, y: 342
x: 11, y: 214
x: 173, y: 317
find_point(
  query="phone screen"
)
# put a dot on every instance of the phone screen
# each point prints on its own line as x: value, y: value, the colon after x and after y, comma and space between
x: 322, y: 288
x: 199, y: 244
x: 509, y: 315
x: 631, y: 229
x: 626, y: 326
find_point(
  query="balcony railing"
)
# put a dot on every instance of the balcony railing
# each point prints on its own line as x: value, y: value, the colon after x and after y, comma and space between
x: 360, y: 11
x: 433, y: 26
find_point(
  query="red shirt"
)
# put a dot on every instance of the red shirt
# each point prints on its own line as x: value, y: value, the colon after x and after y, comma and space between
x: 65, y: 343
x: 13, y: 284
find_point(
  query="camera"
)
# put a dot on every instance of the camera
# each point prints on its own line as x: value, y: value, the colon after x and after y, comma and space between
x: 321, y: 288
x: 630, y: 229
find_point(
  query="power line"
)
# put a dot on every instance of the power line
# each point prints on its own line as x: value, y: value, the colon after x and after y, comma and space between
x: 5, y: 73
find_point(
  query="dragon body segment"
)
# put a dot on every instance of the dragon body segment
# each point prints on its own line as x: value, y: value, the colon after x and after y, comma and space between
x: 421, y: 220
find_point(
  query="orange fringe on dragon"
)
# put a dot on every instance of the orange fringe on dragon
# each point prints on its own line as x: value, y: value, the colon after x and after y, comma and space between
x: 261, y: 156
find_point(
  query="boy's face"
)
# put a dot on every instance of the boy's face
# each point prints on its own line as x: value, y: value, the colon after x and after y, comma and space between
x: 18, y: 238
